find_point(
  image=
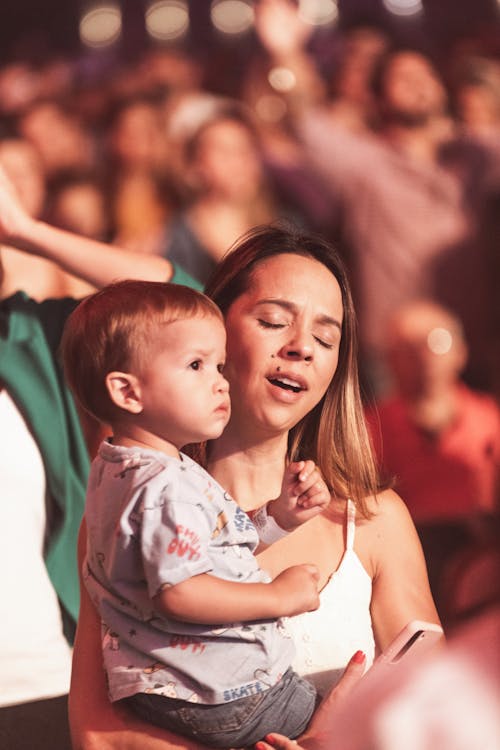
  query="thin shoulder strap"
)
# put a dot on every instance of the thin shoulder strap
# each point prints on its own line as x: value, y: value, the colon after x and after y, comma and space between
x: 351, y: 524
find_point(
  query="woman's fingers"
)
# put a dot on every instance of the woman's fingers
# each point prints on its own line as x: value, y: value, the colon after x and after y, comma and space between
x: 321, y: 731
x: 277, y: 741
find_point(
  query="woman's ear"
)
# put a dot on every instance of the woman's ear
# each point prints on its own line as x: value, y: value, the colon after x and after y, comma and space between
x: 125, y: 391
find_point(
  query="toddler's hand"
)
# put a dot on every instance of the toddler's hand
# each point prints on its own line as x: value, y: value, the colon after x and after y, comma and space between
x: 304, y: 494
x: 297, y: 589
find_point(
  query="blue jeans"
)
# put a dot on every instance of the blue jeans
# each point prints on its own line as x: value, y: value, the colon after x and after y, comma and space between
x: 287, y: 708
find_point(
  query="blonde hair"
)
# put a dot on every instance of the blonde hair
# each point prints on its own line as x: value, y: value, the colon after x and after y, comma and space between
x: 334, y: 433
x: 114, y: 328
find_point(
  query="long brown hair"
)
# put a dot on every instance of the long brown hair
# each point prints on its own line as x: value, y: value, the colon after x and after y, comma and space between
x: 334, y: 433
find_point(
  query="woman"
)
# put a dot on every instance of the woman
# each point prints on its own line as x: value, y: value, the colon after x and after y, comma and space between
x: 222, y: 174
x: 291, y: 365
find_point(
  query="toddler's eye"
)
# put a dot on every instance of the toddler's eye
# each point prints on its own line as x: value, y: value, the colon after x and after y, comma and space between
x: 195, y: 365
x: 220, y: 368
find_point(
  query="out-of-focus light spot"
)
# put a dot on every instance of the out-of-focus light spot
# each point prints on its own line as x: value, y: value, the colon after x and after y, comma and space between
x: 281, y: 79
x: 167, y: 19
x: 270, y: 108
x: 318, y: 12
x: 100, y: 25
x: 439, y: 340
x: 231, y: 16
x: 403, y: 7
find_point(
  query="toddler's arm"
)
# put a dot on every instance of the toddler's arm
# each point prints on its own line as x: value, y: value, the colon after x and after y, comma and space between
x: 304, y: 494
x: 207, y: 600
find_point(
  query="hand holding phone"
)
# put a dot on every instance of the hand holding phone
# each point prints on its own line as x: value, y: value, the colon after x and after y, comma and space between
x: 415, y: 640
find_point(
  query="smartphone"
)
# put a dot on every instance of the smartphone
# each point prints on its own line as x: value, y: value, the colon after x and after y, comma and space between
x: 413, y: 641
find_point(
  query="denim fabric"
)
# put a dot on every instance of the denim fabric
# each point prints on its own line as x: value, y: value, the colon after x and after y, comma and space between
x: 287, y: 708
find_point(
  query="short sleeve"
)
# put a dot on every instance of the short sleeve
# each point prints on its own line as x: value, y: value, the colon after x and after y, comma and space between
x: 175, y: 535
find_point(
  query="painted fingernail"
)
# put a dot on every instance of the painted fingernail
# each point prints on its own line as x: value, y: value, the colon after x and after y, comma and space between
x: 359, y: 657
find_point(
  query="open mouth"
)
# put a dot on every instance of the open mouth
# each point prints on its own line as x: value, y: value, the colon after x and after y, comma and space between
x: 287, y: 384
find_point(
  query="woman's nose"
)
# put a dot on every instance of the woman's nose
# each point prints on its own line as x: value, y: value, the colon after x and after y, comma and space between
x: 298, y: 348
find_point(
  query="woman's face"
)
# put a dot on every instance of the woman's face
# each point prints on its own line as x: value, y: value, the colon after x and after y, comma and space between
x: 283, y: 338
x: 227, y: 161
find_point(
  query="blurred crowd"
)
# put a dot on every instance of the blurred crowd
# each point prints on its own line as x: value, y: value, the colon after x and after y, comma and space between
x: 395, y: 161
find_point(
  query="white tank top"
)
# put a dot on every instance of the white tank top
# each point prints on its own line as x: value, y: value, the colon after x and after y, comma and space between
x: 326, y: 639
x: 35, y: 659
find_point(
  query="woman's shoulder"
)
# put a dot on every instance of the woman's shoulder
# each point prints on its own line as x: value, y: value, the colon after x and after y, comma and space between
x: 389, y: 523
x: 387, y: 533
x: 386, y: 501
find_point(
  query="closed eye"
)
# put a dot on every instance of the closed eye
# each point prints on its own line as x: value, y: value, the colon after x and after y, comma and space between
x: 323, y: 343
x: 267, y: 324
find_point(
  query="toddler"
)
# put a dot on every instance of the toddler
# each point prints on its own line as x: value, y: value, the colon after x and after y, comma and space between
x: 191, y: 632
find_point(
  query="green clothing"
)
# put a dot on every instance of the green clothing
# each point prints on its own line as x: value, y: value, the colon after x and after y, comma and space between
x: 29, y: 337
x: 30, y: 333
x: 182, y: 277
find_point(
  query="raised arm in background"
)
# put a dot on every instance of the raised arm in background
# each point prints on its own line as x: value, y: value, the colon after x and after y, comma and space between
x: 95, y: 262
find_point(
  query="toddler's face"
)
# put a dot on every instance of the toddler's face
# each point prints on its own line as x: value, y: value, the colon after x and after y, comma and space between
x: 185, y: 396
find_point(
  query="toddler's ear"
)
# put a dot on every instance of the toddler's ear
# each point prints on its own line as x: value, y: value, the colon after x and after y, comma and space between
x: 125, y: 391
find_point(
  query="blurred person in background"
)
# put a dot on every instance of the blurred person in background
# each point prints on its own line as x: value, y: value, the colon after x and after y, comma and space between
x: 169, y: 70
x: 22, y: 83
x: 476, y: 96
x: 60, y: 137
x: 220, y: 169
x: 438, y: 438
x: 348, y: 93
x: 38, y: 277
x: 135, y: 152
x: 409, y: 204
x: 77, y: 202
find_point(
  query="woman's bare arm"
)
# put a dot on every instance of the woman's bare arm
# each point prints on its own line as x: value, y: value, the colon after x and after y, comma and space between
x: 97, y: 724
x: 284, y: 36
x: 401, y: 590
x: 95, y: 262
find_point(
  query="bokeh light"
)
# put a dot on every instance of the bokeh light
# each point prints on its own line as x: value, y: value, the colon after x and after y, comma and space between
x: 167, y: 19
x: 232, y: 16
x: 100, y: 25
x: 439, y: 340
x: 403, y: 7
x: 318, y: 12
x: 281, y: 79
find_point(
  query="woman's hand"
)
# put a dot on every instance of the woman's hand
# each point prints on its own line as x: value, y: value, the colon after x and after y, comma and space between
x: 321, y: 731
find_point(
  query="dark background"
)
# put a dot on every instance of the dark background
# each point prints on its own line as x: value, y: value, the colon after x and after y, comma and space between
x: 31, y: 28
